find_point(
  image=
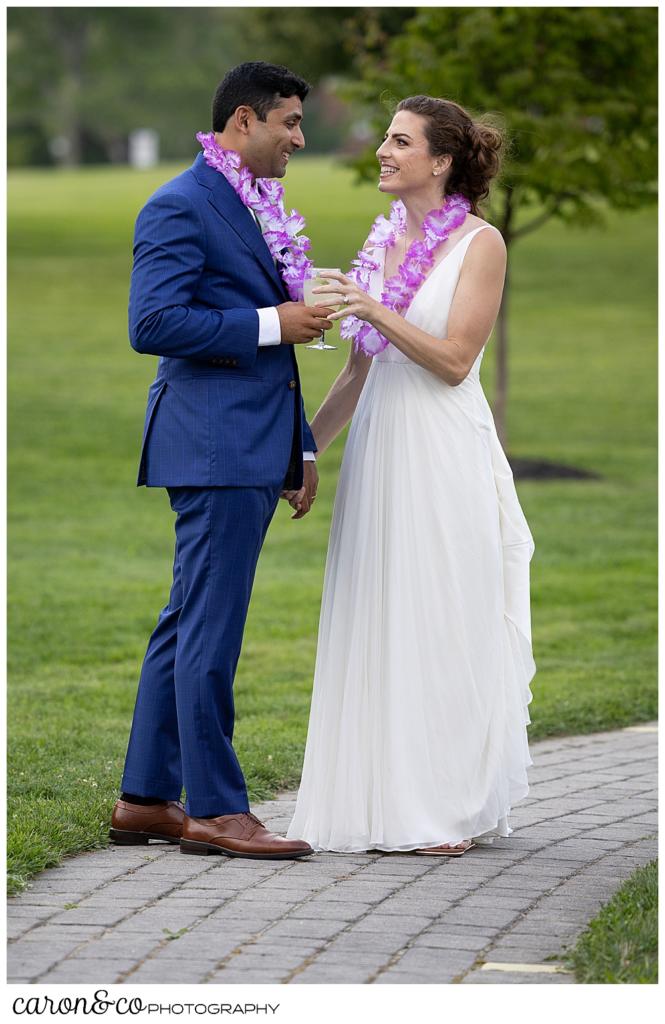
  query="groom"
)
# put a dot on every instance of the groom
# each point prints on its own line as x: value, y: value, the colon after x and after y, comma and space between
x: 226, y: 435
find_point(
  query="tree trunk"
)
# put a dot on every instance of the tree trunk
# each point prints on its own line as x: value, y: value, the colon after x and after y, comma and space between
x: 70, y: 91
x: 71, y: 39
x: 501, y: 372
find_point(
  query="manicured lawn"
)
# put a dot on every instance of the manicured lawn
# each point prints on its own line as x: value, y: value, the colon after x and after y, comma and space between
x: 620, y: 946
x: 91, y: 555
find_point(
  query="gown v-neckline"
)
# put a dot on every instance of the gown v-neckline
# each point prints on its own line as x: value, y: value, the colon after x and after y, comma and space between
x: 434, y: 268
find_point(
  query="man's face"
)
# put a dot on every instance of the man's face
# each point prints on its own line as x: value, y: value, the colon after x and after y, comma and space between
x: 271, y: 142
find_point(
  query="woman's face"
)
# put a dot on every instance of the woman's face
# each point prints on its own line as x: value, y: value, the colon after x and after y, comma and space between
x: 404, y: 156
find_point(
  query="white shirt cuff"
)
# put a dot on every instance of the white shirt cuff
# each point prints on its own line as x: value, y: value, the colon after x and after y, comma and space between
x: 308, y: 457
x: 270, y: 330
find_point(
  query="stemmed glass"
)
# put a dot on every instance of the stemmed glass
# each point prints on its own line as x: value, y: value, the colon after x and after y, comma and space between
x: 330, y: 299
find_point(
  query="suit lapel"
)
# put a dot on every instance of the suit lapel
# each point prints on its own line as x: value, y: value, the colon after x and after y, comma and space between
x: 227, y: 204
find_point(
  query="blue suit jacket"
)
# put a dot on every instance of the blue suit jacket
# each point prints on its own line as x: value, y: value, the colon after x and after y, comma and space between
x: 221, y: 411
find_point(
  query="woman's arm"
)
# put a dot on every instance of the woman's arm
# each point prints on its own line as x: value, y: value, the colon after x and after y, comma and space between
x: 474, y: 309
x: 340, y: 402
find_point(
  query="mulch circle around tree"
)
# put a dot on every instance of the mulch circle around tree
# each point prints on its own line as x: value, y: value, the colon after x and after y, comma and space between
x: 539, y: 469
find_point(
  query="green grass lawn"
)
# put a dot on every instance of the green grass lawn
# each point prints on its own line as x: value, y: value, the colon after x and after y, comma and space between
x: 90, y: 555
x: 620, y: 946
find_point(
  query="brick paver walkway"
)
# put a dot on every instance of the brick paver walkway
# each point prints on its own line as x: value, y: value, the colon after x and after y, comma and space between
x: 500, y: 914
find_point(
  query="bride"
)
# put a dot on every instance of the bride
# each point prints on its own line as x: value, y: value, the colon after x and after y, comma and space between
x: 417, y: 733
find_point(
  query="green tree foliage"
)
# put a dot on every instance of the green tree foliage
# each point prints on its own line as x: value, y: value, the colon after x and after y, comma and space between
x: 575, y: 87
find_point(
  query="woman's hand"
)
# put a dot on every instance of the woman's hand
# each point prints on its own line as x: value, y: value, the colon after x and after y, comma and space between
x: 356, y: 301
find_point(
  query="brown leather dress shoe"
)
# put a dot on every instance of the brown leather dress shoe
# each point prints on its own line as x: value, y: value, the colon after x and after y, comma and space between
x: 238, y: 835
x: 137, y: 824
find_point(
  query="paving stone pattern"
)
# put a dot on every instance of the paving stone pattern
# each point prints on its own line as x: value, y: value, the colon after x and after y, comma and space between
x: 502, y: 914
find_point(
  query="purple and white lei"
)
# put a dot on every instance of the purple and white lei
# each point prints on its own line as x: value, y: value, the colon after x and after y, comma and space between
x: 399, y: 290
x: 266, y: 197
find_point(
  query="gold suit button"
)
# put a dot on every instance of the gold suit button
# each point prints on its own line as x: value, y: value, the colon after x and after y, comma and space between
x: 292, y: 385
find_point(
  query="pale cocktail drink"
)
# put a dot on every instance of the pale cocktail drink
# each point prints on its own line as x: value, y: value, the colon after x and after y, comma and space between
x: 332, y: 299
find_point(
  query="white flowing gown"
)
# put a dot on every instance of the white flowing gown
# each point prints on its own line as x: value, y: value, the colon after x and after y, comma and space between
x: 417, y: 732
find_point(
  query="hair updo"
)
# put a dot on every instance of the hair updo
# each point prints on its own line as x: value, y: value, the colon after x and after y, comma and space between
x: 475, y: 146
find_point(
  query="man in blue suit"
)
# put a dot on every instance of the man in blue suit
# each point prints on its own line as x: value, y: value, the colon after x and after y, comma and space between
x: 226, y: 435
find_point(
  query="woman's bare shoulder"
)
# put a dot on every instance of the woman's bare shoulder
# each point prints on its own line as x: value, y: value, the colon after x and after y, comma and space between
x: 490, y: 241
x: 486, y: 253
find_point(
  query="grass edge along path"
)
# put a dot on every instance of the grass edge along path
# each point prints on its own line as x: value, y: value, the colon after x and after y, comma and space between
x: 620, y: 945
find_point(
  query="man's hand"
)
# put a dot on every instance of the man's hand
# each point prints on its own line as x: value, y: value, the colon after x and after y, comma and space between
x: 300, y: 323
x: 303, y: 499
x: 310, y: 487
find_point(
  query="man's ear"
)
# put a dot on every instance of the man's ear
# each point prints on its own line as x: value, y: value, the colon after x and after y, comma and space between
x: 242, y: 119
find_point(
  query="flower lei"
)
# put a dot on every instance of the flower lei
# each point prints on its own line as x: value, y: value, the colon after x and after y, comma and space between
x: 266, y: 197
x: 399, y: 290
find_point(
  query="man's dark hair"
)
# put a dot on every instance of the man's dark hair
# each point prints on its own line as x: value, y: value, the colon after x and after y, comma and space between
x: 257, y: 85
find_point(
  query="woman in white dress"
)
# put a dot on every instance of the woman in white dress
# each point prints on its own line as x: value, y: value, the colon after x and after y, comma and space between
x: 417, y: 733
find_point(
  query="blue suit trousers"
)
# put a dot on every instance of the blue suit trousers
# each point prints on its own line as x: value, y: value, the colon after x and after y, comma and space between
x: 182, y: 729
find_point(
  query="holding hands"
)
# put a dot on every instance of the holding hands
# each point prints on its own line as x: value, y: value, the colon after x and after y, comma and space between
x: 303, y: 499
